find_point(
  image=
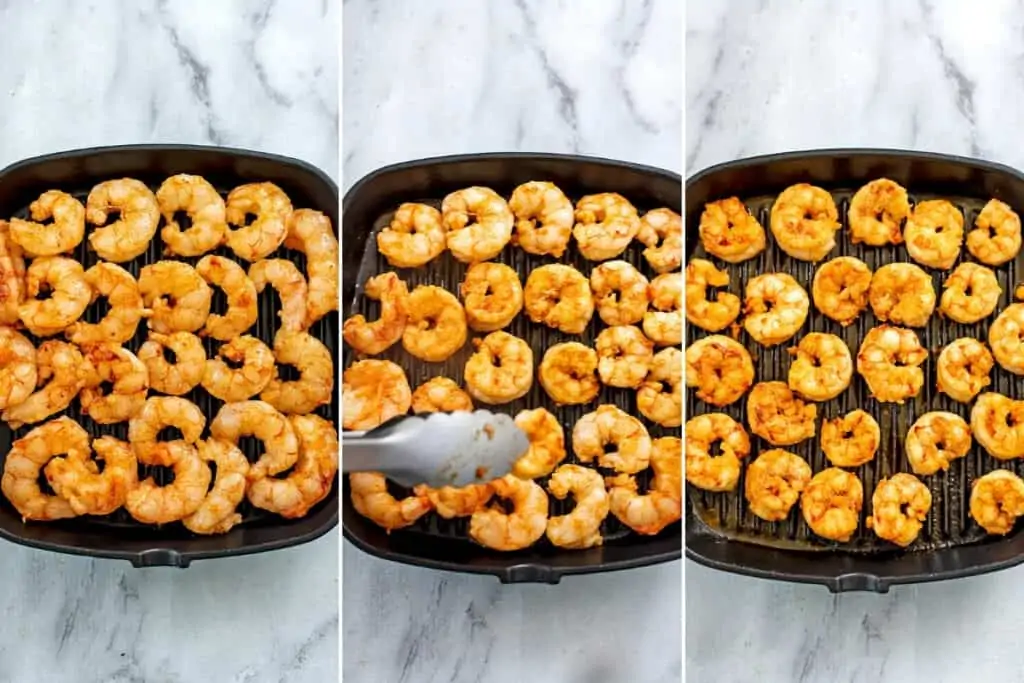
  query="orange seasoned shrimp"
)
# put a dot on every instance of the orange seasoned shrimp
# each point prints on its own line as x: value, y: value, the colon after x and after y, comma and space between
x: 544, y: 218
x: 877, y: 211
x: 774, y: 483
x: 850, y: 440
x: 661, y: 230
x: 804, y: 221
x: 664, y: 324
x: 605, y: 225
x: 775, y: 308
x: 436, y: 328
x: 233, y: 384
x: 451, y: 502
x: 377, y: 337
x: 822, y: 367
x: 719, y: 368
x: 315, y: 384
x: 290, y: 285
x: 903, y: 294
x: 997, y: 500
x: 831, y: 504
x: 126, y: 309
x: 127, y: 376
x: 660, y: 397
x: 568, y: 373
x: 620, y: 292
x: 12, y: 276
x: 935, y: 439
x: 159, y: 412
x: 997, y: 422
x: 187, y: 370
x: 272, y: 210
x: 889, y: 360
x: 963, y: 369
x: 559, y: 296
x: 1006, y: 337
x: 440, y: 395
x: 650, y: 513
x: 501, y: 370
x: 609, y: 426
x: 177, y: 296
x: 69, y: 292
x: 60, y: 374
x: 580, y: 528
x: 547, y: 443
x: 478, y: 224
x: 312, y: 233
x: 624, y: 356
x: 18, y: 372
x: 311, y: 480
x: 840, y: 288
x: 373, y: 391
x: 204, y: 207
x: 719, y: 472
x: 495, y: 529
x: 217, y: 513
x: 730, y: 232
x: 934, y: 233
x: 262, y: 421
x: 898, y: 508
x: 414, y: 237
x: 778, y: 416
x: 493, y: 296
x: 128, y: 237
x: 712, y: 316
x: 28, y: 456
x: 971, y: 293
x: 59, y: 237
x: 89, y: 492
x: 371, y: 499
x: 995, y: 238
x: 151, y: 503
x: 239, y: 291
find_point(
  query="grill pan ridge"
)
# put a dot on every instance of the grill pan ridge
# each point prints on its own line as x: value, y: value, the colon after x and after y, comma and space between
x: 720, y: 530
x: 368, y: 207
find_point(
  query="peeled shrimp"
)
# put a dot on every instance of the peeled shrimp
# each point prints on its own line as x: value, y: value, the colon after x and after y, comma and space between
x: 935, y: 439
x: 850, y: 440
x: 971, y: 293
x: 130, y: 236
x: 518, y: 529
x: 59, y: 237
x: 373, y: 392
x: 217, y: 513
x: 478, y: 224
x: 720, y: 472
x: 620, y: 293
x: 159, y: 412
x: 310, y: 482
x: 661, y: 230
x: 547, y: 443
x: 89, y: 492
x: 376, y: 337
x: 28, y: 456
x: 580, y: 528
x: 840, y: 288
x: 889, y: 360
x: 778, y: 416
x: 605, y: 225
x: 1006, y: 337
x: 544, y: 218
x: 624, y: 356
x: 559, y: 296
x: 240, y: 292
x: 660, y: 397
x: 963, y: 369
x: 650, y: 513
x: 371, y: 499
x: 501, y: 370
x: 69, y: 295
x: 934, y: 233
x: 822, y: 367
x: 177, y: 295
x: 903, y: 294
x: 997, y: 422
x: 877, y: 211
x: 493, y: 296
x: 610, y: 426
x: 272, y: 209
x: 18, y: 371
x: 774, y: 483
x: 719, y: 368
x: 775, y: 308
x: 997, y: 500
x: 436, y: 327
x: 664, y: 323
x: 311, y: 232
x: 804, y: 221
x: 440, y: 395
x: 12, y: 276
x: 290, y: 285
x: 451, y: 502
x: 151, y: 503
x: 127, y: 376
x: 996, y: 237
x: 233, y: 384
x: 313, y: 360
x: 125, y: 302
x: 831, y: 504
x: 898, y: 508
x: 413, y: 238
x: 568, y: 373
x: 712, y: 316
x: 205, y: 208
x: 729, y: 231
x: 262, y: 421
x: 60, y: 374
x: 187, y: 370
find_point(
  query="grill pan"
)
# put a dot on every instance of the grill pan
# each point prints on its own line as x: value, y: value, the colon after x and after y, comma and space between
x: 118, y: 535
x: 367, y: 207
x: 720, y: 530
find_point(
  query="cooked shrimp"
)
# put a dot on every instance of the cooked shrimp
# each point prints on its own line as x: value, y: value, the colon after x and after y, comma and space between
x: 478, y: 224
x: 495, y: 529
x: 568, y: 373
x: 376, y: 337
x: 232, y: 384
x: 129, y: 236
x: 217, y: 513
x: 620, y: 292
x: 934, y: 233
x: 963, y: 369
x: 371, y: 499
x: 501, y: 370
x: 59, y: 237
x: 239, y: 291
x: 261, y: 421
x: 290, y: 285
x: 12, y: 276
x: 205, y: 208
x: 995, y: 238
x: 451, y: 502
x: 903, y: 294
x: 719, y: 472
x: 840, y: 288
x: 544, y: 218
x: 60, y: 375
x: 436, y: 328
x: 889, y: 360
x: 315, y: 384
x: 877, y: 211
x: 547, y: 443
x: 664, y: 324
x: 729, y: 231
x: 89, y: 492
x: 934, y: 440
x: 971, y: 293
x: 28, y: 456
x: 997, y: 500
x: 272, y: 209
x: 18, y: 372
x: 413, y: 238
x: 804, y: 221
x: 605, y: 225
x: 850, y: 440
x: 822, y: 367
x: 559, y: 296
x: 720, y: 369
x: 831, y: 504
x: 610, y: 426
x: 778, y: 416
x: 661, y: 230
x: 712, y: 316
x: 177, y: 296
x: 440, y: 395
x: 997, y: 422
x: 650, y: 513
x: 1006, y: 337
x: 125, y: 306
x: 624, y: 356
x: 774, y: 483
x: 898, y: 507
x: 127, y: 376
x: 775, y: 308
x: 373, y: 391
x: 69, y: 292
x: 159, y: 412
x: 580, y: 528
x: 493, y: 296
x: 151, y: 503
x: 185, y: 373
x: 660, y: 397
x: 312, y: 233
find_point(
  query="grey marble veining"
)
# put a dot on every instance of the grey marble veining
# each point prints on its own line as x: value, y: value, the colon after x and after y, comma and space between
x: 423, y: 79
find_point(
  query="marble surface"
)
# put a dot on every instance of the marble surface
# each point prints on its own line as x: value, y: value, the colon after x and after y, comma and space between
x: 248, y: 74
x: 589, y: 76
x: 773, y: 76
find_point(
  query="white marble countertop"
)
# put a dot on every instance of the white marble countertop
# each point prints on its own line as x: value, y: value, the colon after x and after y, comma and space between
x: 247, y: 74
x: 781, y: 75
x: 515, y: 77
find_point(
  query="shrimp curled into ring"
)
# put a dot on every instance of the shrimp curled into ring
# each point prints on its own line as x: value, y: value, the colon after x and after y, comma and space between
x: 70, y: 295
x: 89, y: 492
x: 729, y: 231
x: 898, y: 507
x: 501, y: 370
x: 28, y: 455
x: 568, y: 373
x: 478, y: 224
x: 559, y: 296
x: 440, y: 395
x: 624, y: 356
x: 997, y: 422
x: 413, y: 238
x: 903, y: 294
x: 620, y: 292
x: 450, y: 502
x: 605, y: 225
x: 290, y: 284
x: 130, y: 236
x: 127, y: 376
x: 185, y: 373
x: 312, y: 233
x: 518, y: 529
x: 935, y: 439
x: 778, y: 416
x: 850, y: 440
x: 547, y: 443
x: 774, y: 483
x: 493, y: 296
x: 371, y: 499
x: 267, y: 232
x: 720, y: 369
x: 840, y: 288
x: 544, y: 218
x: 59, y: 237
x: 804, y: 221
x: 712, y: 316
x: 611, y: 426
x: 660, y: 397
x: 18, y: 372
x: 177, y: 295
x: 62, y: 372
x: 232, y: 279
x: 822, y: 368
x: 934, y: 233
x: 378, y: 336
x: 996, y: 236
x: 126, y: 307
x: 260, y: 420
x: 889, y: 360
x: 151, y: 503
x: 664, y: 323
x: 719, y: 472
x: 12, y: 276
x: 196, y: 197
x: 963, y: 369
x: 231, y: 384
x: 580, y: 528
x: 436, y: 328
x: 831, y: 504
x: 997, y: 500
x: 1006, y: 337
x: 164, y: 411
x: 876, y: 212
x: 775, y: 308
x: 661, y: 230
x: 217, y: 513
x: 373, y: 391
x: 315, y: 384
x: 971, y: 293
x: 648, y: 514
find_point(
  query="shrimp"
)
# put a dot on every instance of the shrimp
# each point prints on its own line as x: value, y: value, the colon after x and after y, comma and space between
x: 217, y: 513
x: 501, y: 370
x: 903, y: 294
x: 233, y: 384
x: 139, y: 213
x: 60, y: 375
x: 89, y: 492
x: 240, y: 292
x: 822, y: 367
x: 804, y: 221
x: 935, y: 439
x: 159, y: 412
x: 840, y: 288
x: 934, y: 233
x: 177, y: 296
x: 59, y: 237
x: 315, y: 384
x: 650, y: 513
x: 312, y: 233
x: 664, y: 324
x: 898, y: 507
x: 185, y: 373
x: 997, y: 500
x: 605, y: 225
x: 18, y: 372
x: 493, y: 528
x: 272, y: 209
x: 664, y: 226
x: 719, y: 368
x: 290, y: 285
x: 850, y: 440
x: 126, y: 308
x: 997, y: 422
x: 995, y: 238
x: 547, y: 444
x: 774, y: 483
x: 660, y: 397
x: 889, y: 360
x: 778, y: 416
x: 413, y: 238
x: 376, y: 337
x: 478, y: 224
x: 436, y: 328
x: 1006, y: 337
x: 608, y: 426
x: 568, y: 373
x: 620, y: 292
x: 371, y: 499
x: 128, y: 377
x: 544, y: 218
x: 580, y: 528
x: 28, y: 456
x: 971, y: 293
x: 877, y: 211
x: 205, y: 208
x: 493, y: 296
x: 451, y: 502
x: 262, y: 421
x: 373, y: 391
x: 963, y: 369
x: 69, y: 292
x: 440, y: 395
x: 831, y: 504
x: 151, y: 503
x: 729, y: 231
x: 559, y: 296
x: 12, y: 276
x: 311, y: 480
x: 719, y: 472
x: 624, y: 356
x: 775, y: 307
x: 713, y: 316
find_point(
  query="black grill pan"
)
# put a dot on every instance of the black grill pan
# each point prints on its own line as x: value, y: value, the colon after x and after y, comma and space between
x: 368, y: 206
x: 720, y: 531
x: 117, y: 535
